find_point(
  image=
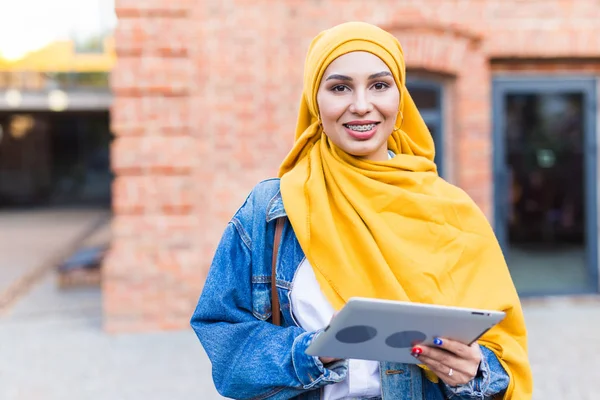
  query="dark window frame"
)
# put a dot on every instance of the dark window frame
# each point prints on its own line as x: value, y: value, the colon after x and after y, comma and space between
x: 433, y: 117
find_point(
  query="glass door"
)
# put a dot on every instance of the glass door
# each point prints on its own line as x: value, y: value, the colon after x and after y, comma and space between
x: 545, y: 183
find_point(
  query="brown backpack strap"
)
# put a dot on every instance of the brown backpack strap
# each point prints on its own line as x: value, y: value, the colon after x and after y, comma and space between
x: 275, y: 312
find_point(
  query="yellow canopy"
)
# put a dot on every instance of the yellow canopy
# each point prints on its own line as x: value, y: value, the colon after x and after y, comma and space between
x: 62, y: 56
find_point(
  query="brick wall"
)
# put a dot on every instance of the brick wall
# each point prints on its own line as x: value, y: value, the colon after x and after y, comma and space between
x: 206, y: 95
x: 153, y: 269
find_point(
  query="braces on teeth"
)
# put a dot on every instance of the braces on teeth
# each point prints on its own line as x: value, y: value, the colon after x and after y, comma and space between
x: 361, y: 128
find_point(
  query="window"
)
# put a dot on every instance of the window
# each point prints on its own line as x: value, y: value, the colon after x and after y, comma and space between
x: 427, y: 95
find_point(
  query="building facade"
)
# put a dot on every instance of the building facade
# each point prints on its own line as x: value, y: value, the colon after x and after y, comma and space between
x: 205, y: 101
x: 54, y: 125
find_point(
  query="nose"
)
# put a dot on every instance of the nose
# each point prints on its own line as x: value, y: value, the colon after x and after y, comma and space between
x: 361, y: 104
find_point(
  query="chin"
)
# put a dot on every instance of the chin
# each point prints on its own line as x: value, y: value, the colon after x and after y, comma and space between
x: 363, y: 151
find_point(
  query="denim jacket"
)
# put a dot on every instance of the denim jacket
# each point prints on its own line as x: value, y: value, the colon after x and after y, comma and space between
x: 254, y: 359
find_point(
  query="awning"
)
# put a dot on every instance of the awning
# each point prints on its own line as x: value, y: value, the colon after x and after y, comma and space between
x: 55, y: 100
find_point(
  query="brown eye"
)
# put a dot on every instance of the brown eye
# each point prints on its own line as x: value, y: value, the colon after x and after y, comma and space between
x: 381, y: 86
x: 339, y: 88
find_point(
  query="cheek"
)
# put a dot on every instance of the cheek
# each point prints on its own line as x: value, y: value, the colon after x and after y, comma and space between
x: 390, y: 107
x: 331, y: 108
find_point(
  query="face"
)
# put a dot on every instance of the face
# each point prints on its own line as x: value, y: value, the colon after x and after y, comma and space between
x: 358, y: 103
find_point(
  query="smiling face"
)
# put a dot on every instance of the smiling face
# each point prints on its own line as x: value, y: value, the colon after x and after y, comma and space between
x: 358, y: 103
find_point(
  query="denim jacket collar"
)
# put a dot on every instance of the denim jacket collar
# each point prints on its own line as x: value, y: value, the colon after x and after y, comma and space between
x: 275, y: 208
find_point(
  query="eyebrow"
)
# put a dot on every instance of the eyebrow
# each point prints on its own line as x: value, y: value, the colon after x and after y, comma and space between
x: 347, y: 78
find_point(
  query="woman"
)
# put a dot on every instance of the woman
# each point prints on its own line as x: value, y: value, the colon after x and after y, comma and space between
x: 367, y: 216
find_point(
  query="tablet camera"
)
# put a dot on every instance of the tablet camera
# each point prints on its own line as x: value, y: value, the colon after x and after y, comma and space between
x: 405, y: 339
x: 356, y: 334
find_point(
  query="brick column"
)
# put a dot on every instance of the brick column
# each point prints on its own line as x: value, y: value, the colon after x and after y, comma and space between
x: 473, y: 153
x: 148, y: 277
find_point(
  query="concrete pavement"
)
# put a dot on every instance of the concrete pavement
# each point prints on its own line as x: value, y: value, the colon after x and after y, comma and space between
x: 31, y: 241
x: 564, y: 348
x: 52, y: 348
x: 51, y: 341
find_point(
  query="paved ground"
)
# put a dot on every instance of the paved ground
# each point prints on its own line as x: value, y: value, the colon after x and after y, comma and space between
x: 51, y: 343
x: 30, y: 239
x: 564, y: 341
x: 52, y: 347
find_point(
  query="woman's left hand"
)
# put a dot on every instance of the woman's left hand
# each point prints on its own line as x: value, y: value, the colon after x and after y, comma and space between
x: 453, y: 362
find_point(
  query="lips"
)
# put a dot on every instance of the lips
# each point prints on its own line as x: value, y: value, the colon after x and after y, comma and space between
x: 362, y: 130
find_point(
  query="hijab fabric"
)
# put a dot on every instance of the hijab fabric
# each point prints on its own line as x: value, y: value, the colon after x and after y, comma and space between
x: 394, y: 229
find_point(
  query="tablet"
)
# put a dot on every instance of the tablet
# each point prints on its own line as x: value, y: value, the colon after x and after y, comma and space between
x: 385, y: 330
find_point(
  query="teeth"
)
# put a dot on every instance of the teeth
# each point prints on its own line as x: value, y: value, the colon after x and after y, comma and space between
x: 361, y: 128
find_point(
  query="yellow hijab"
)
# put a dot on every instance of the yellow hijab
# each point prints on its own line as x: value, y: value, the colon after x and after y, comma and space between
x: 394, y: 229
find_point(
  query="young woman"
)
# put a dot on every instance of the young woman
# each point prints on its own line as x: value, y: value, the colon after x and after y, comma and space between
x: 366, y: 215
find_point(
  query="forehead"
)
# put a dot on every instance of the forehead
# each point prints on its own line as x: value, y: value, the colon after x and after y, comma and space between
x: 356, y: 63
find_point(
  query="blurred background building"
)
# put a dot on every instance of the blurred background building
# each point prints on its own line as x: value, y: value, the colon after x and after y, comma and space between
x: 202, y: 104
x: 54, y: 124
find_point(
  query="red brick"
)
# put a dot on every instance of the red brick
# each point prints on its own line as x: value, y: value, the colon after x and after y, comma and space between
x: 153, y: 154
x: 154, y: 36
x: 152, y: 75
x: 150, y: 115
x: 161, y: 295
x: 153, y: 195
x: 174, y: 8
x: 156, y: 231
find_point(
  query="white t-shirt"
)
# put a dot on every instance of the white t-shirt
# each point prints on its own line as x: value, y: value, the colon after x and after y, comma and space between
x: 313, y: 311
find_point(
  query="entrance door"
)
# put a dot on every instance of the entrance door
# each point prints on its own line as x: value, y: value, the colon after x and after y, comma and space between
x: 545, y: 183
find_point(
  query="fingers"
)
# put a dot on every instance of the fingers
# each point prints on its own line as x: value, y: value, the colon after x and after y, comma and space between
x: 472, y: 352
x: 447, y: 355
x: 443, y: 372
x: 441, y: 361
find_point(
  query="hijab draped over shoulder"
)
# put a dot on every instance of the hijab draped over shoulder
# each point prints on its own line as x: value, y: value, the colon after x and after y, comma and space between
x: 394, y: 229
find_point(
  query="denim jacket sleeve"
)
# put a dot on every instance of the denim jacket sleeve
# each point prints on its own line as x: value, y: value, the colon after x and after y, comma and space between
x: 490, y: 381
x: 251, y: 358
